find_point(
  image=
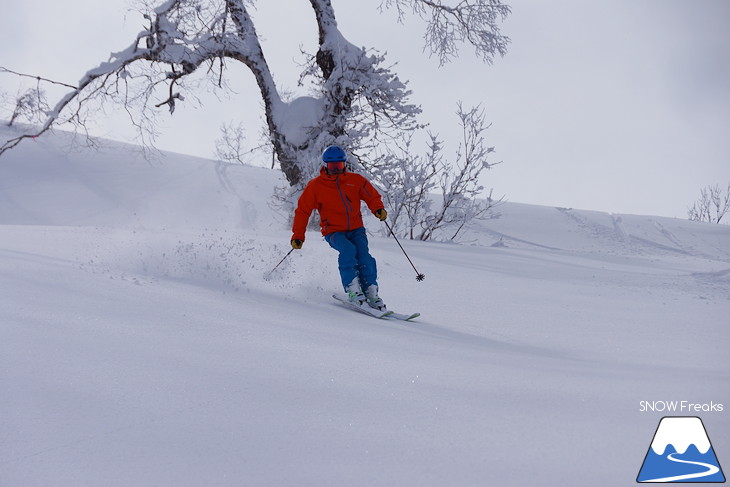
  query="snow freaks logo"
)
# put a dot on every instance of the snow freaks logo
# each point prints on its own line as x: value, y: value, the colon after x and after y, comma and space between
x: 681, y: 452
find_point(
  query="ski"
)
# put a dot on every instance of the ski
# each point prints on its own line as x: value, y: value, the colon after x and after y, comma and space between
x: 365, y: 309
x: 391, y: 315
x: 402, y: 317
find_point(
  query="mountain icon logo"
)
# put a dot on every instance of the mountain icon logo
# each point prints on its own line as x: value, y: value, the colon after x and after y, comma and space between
x: 681, y: 452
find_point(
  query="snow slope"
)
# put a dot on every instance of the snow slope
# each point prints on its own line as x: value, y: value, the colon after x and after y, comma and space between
x: 140, y: 344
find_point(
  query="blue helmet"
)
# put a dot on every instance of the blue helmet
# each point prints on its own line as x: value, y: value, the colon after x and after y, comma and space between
x: 334, y: 153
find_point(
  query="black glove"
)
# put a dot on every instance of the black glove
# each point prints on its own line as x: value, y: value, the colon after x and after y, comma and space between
x: 381, y: 214
x: 296, y: 243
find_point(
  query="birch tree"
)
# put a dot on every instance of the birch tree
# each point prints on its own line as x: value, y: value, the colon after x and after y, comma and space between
x: 358, y: 98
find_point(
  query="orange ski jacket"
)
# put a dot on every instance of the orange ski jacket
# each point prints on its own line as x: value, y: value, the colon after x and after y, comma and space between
x: 337, y: 199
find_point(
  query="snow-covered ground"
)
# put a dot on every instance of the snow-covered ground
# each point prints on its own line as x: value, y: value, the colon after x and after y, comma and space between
x: 140, y: 344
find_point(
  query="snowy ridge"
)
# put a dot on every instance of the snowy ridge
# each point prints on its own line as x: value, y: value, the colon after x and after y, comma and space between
x: 117, y: 186
x: 54, y: 181
x: 141, y: 345
x: 591, y: 231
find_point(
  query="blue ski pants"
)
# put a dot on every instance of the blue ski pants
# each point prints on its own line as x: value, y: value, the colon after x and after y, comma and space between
x: 355, y: 260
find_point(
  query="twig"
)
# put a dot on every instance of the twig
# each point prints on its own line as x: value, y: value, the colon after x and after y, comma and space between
x: 39, y: 78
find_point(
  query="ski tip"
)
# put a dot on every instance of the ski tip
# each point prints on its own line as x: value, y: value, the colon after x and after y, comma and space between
x: 404, y: 317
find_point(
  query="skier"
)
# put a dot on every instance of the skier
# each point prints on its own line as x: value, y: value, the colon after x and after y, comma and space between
x: 336, y: 195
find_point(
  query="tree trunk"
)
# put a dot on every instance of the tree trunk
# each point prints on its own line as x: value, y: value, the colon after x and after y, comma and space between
x: 256, y: 62
x: 332, y: 43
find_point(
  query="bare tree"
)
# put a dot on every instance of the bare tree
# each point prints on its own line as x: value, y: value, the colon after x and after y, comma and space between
x: 409, y: 181
x: 231, y: 147
x: 712, y: 205
x: 357, y: 100
x: 460, y: 188
x: 29, y: 106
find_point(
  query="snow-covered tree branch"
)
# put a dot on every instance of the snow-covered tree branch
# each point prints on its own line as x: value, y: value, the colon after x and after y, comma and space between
x: 358, y: 100
x: 447, y: 27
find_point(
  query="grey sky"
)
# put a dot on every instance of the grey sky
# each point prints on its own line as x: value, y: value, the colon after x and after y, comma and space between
x: 612, y: 105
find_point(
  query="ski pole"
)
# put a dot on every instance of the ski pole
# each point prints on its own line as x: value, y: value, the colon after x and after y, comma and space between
x: 419, y: 277
x: 277, y: 265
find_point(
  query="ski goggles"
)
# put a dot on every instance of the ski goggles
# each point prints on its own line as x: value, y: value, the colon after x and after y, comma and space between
x: 336, y: 166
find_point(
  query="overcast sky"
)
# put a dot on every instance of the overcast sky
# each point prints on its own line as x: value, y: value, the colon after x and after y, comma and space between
x: 613, y: 105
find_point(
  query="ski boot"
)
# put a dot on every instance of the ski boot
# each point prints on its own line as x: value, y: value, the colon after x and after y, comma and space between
x: 355, y: 294
x: 374, y: 301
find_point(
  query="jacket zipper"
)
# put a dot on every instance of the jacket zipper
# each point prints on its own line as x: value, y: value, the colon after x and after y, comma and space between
x: 344, y: 202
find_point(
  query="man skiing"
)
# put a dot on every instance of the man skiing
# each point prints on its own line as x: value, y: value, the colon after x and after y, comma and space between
x: 336, y: 195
